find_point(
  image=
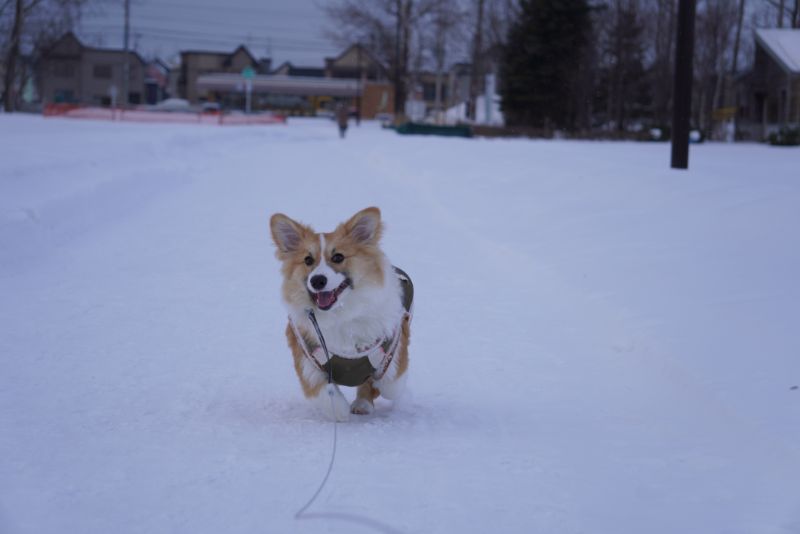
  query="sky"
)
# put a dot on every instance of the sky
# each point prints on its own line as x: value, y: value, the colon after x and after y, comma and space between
x: 285, y: 31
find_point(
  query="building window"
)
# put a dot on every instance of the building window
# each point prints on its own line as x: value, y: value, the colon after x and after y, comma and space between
x: 64, y: 70
x: 102, y: 72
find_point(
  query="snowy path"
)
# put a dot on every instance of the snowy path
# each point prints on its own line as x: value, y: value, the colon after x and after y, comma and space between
x: 599, y: 346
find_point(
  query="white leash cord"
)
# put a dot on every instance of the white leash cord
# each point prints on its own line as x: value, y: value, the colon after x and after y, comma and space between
x: 313, y: 498
x: 352, y: 518
x: 330, y: 389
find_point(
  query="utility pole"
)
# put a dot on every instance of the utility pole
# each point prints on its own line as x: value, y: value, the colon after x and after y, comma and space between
x: 10, y: 79
x: 397, y: 83
x: 360, y: 86
x: 477, y: 71
x: 126, y: 65
x: 407, y: 9
x: 682, y: 92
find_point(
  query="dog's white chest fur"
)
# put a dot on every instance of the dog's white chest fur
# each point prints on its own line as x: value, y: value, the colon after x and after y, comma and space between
x: 363, y: 314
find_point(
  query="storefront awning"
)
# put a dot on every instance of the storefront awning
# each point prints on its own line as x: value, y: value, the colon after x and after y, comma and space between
x: 287, y: 85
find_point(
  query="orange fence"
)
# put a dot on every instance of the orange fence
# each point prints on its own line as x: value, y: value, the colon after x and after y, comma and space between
x: 74, y: 111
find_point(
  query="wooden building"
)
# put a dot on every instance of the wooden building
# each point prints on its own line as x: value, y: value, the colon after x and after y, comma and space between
x: 769, y: 96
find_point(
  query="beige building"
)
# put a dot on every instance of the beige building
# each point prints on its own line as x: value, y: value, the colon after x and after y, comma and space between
x: 354, y: 78
x: 197, y: 63
x: 70, y: 72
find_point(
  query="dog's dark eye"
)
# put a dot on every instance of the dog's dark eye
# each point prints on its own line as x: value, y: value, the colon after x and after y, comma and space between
x: 309, y: 260
x: 337, y: 258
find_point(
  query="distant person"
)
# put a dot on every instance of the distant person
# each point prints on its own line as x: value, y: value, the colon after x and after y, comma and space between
x: 342, y: 118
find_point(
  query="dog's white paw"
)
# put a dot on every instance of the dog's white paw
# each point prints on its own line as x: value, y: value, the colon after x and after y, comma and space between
x: 361, y: 407
x: 332, y: 404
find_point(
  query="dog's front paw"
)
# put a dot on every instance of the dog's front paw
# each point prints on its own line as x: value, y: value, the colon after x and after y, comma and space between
x: 331, y: 403
x: 362, y: 407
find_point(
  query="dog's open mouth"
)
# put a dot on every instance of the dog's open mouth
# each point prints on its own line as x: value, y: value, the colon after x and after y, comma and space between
x: 326, y: 299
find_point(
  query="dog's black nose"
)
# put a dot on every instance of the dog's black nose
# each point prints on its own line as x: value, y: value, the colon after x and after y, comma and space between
x: 318, y: 281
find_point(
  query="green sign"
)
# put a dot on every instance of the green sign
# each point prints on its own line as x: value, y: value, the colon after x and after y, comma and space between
x: 248, y: 73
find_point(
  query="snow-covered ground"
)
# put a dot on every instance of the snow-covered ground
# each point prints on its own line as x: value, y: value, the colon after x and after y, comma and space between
x: 600, y: 345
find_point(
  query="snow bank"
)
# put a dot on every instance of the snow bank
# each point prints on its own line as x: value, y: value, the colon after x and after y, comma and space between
x: 600, y: 344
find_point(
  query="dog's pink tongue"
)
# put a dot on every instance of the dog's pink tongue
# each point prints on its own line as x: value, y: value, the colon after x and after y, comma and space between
x: 325, y: 298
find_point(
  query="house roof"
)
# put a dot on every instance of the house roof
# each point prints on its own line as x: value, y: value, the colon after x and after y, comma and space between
x: 220, y: 54
x: 783, y: 45
x: 366, y: 51
x: 289, y: 69
x: 204, y: 53
x: 71, y: 36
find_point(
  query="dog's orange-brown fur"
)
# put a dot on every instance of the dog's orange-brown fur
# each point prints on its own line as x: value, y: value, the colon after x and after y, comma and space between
x: 363, y: 261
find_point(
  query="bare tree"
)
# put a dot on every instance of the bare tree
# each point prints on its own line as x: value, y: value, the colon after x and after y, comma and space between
x: 782, y: 12
x: 446, y: 26
x: 716, y: 20
x: 499, y: 16
x: 477, y: 61
x: 388, y: 26
x: 624, y: 46
x: 661, y: 52
x: 33, y: 26
x: 9, y: 77
x: 619, y: 50
x: 738, y: 39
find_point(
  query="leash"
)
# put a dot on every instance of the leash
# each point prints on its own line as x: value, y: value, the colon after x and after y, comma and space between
x: 313, y: 319
x: 353, y: 518
x: 408, y: 296
x: 330, y: 388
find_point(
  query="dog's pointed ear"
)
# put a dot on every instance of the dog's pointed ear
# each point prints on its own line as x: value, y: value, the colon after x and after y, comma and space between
x: 286, y: 233
x: 365, y: 226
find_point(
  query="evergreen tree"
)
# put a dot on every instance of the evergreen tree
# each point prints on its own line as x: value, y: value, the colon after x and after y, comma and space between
x: 540, y: 68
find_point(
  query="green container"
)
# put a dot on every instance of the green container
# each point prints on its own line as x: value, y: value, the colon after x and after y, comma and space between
x: 415, y: 128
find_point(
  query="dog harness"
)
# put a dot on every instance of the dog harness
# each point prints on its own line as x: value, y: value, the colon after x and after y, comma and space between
x: 355, y: 369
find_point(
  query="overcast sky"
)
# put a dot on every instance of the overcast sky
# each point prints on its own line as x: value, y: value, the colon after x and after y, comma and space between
x: 280, y: 29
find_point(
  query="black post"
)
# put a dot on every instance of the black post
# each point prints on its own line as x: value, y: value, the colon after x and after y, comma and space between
x: 682, y: 89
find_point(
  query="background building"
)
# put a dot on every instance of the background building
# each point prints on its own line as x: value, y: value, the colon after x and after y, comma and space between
x: 71, y: 72
x: 355, y: 77
x: 196, y: 63
x: 770, y: 94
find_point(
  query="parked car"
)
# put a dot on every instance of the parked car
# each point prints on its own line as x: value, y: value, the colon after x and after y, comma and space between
x: 172, y: 104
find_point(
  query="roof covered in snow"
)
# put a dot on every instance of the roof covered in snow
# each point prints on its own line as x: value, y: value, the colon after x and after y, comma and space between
x: 783, y: 45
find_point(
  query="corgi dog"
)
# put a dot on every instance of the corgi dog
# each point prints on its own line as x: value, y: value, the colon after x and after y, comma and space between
x: 362, y: 307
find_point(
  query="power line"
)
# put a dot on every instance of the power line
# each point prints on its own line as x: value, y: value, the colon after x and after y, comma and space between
x: 247, y: 35
x: 243, y: 9
x: 220, y: 41
x: 250, y: 25
x: 181, y: 10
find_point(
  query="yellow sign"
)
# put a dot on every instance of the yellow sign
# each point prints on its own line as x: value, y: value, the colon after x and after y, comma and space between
x: 723, y: 114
